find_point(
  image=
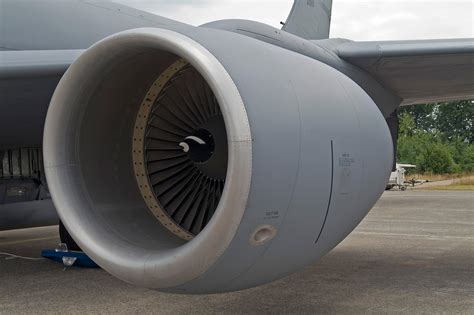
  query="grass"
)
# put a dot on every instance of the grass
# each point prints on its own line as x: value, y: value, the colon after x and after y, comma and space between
x: 452, y: 187
x: 466, y: 183
x: 439, y: 177
x: 469, y: 181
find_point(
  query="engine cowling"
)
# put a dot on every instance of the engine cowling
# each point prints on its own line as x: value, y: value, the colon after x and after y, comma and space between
x: 199, y: 161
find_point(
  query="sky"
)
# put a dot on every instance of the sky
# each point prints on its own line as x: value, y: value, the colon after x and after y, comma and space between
x: 352, y: 19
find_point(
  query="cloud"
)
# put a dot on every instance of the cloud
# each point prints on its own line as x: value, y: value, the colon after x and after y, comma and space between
x: 353, y: 19
x: 197, y: 12
x: 391, y: 20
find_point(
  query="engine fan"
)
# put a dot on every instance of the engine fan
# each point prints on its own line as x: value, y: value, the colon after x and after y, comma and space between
x: 180, y: 150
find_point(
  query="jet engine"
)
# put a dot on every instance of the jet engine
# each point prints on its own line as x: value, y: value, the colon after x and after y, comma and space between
x: 196, y: 160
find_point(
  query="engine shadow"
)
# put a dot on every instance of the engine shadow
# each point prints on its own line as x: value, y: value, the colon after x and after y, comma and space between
x: 351, y: 279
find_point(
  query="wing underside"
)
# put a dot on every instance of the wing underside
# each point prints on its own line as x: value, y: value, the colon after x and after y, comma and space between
x: 418, y: 71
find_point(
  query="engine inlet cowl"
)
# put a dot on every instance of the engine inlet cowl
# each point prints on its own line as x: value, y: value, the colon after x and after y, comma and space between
x: 149, y: 158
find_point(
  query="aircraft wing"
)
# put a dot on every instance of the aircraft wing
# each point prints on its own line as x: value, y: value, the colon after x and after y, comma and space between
x: 418, y: 71
x: 27, y: 82
x: 20, y: 64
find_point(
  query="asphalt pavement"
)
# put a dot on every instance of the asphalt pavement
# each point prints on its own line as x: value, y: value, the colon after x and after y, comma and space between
x: 414, y: 253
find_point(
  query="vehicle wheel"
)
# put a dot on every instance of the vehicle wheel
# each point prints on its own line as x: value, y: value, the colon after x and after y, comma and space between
x: 403, y: 188
x: 66, y: 238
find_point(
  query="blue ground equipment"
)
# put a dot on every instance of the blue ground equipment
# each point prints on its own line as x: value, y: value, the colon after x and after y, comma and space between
x: 69, y: 258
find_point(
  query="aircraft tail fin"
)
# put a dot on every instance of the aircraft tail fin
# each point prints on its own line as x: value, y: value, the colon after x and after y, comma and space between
x: 310, y: 19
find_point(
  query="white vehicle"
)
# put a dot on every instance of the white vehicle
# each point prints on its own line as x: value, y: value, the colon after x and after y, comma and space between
x: 397, y: 178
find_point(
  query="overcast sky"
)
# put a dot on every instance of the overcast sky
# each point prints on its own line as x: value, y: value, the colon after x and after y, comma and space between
x: 352, y: 19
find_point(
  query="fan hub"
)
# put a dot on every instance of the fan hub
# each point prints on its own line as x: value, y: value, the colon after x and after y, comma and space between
x: 200, y: 146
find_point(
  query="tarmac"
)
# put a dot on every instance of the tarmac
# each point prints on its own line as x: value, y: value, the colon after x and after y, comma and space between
x: 414, y: 253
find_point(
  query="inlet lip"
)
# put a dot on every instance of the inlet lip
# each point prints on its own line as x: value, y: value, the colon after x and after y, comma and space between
x: 163, y: 268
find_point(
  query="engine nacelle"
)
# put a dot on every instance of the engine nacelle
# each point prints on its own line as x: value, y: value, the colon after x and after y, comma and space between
x: 198, y: 160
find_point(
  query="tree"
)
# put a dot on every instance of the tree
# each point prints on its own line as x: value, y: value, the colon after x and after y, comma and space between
x: 406, y: 126
x: 423, y: 115
x: 467, y: 162
x: 438, y: 138
x: 437, y: 159
x: 456, y: 120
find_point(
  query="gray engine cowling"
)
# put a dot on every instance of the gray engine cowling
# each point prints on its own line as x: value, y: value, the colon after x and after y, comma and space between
x: 198, y: 161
